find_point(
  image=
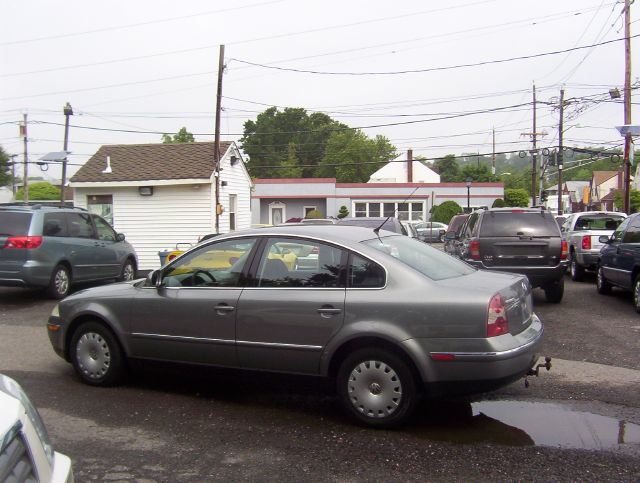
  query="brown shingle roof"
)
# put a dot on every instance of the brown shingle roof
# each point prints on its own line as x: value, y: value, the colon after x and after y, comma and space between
x: 600, y: 177
x: 144, y: 162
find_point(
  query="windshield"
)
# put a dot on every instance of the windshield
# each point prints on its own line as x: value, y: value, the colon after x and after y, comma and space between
x: 427, y: 260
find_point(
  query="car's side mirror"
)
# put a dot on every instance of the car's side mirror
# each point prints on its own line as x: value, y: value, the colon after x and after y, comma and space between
x: 450, y: 235
x: 604, y: 238
x: 120, y: 237
x: 155, y: 278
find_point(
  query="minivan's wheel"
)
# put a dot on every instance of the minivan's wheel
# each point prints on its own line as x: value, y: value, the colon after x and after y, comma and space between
x: 128, y: 271
x: 60, y: 282
x: 554, y: 292
x: 602, y: 285
x: 636, y: 294
x: 96, y: 355
x: 577, y: 271
x: 377, y: 388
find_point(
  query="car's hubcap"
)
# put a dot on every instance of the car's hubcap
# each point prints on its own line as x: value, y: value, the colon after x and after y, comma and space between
x: 599, y: 279
x: 128, y: 272
x: 61, y: 281
x: 636, y: 294
x: 93, y: 354
x: 374, y: 389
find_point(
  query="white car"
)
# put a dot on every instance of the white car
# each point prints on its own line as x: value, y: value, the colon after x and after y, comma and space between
x: 25, y: 450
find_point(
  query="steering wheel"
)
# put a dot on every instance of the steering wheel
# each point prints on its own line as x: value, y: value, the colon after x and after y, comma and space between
x: 203, y: 272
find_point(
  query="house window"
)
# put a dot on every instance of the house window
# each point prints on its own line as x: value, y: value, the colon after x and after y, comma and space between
x: 402, y: 210
x: 307, y: 209
x: 101, y: 205
x: 233, y: 207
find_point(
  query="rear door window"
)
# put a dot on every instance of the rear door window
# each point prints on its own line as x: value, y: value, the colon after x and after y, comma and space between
x: 54, y: 225
x: 496, y: 224
x: 14, y: 224
x: 79, y: 225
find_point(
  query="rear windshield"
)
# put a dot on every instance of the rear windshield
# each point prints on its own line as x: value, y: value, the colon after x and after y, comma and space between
x: 14, y: 224
x: 598, y: 222
x: 388, y: 225
x: 419, y: 256
x: 507, y: 223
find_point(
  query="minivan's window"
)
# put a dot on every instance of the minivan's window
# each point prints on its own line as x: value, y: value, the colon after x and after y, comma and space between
x: 79, y: 225
x: 294, y: 262
x: 216, y: 265
x: 54, y: 225
x: 14, y: 224
x: 364, y: 273
x: 528, y: 223
x: 105, y: 232
x: 421, y: 257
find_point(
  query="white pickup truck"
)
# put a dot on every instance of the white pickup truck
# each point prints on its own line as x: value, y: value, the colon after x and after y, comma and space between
x: 581, y: 232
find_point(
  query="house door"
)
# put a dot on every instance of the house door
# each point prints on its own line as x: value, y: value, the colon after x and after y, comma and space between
x: 276, y: 213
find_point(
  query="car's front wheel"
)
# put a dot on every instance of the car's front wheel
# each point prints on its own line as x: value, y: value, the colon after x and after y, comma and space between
x: 602, y: 285
x: 377, y: 388
x: 96, y: 355
x: 636, y: 294
x: 554, y: 292
x: 128, y: 271
x: 60, y: 283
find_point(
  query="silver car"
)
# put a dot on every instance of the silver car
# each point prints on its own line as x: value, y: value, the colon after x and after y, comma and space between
x: 387, y: 317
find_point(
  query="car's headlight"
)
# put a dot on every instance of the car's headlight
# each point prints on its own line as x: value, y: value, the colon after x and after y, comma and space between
x: 13, y: 389
x: 56, y: 311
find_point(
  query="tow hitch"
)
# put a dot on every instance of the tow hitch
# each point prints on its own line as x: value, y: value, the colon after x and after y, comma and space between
x: 536, y: 371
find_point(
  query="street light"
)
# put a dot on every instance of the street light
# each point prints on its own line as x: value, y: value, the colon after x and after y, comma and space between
x: 469, y: 180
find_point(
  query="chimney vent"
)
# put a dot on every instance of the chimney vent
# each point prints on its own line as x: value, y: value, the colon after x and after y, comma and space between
x: 108, y: 170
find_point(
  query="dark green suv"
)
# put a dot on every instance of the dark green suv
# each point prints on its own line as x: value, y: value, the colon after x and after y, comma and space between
x: 53, y: 247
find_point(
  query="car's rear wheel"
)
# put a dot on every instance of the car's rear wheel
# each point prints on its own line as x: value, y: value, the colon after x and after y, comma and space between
x: 602, y: 285
x: 377, y: 388
x: 96, y: 355
x: 636, y: 294
x: 128, y: 271
x: 554, y: 292
x: 60, y: 282
x: 577, y: 271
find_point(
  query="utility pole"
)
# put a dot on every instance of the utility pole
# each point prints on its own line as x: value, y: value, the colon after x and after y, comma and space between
x: 627, y: 103
x: 535, y: 152
x: 560, y: 153
x: 216, y: 173
x: 68, y: 111
x: 493, y: 154
x: 25, y: 181
x: 13, y: 174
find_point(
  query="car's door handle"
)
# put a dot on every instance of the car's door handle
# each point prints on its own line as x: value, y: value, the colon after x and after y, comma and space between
x: 224, y: 308
x: 328, y: 311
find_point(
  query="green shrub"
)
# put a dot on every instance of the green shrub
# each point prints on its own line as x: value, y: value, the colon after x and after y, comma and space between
x: 444, y: 212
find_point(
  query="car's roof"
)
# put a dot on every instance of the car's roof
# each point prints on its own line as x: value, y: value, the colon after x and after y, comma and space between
x: 338, y: 233
x: 30, y: 207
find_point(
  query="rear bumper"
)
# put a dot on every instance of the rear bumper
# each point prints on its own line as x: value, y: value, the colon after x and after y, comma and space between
x: 482, y: 363
x: 588, y: 260
x: 538, y: 276
x: 28, y: 274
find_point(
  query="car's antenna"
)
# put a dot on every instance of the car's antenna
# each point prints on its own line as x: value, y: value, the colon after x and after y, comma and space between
x: 377, y: 229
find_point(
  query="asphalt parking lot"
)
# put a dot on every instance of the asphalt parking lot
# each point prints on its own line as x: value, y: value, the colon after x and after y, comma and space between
x: 579, y: 421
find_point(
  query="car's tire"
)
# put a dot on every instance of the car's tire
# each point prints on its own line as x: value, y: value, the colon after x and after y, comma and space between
x: 553, y: 292
x: 377, y: 388
x: 636, y: 294
x: 96, y: 355
x: 602, y: 285
x: 60, y: 283
x: 576, y: 270
x: 128, y: 271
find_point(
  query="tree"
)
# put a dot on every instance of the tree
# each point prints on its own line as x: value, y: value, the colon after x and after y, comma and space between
x: 41, y: 190
x: 314, y: 214
x: 498, y: 203
x: 478, y: 173
x: 447, y: 168
x: 182, y: 136
x: 444, y: 212
x: 634, y: 200
x: 268, y: 139
x: 343, y: 213
x: 516, y: 197
x: 352, y: 157
x: 290, y: 168
x: 5, y: 172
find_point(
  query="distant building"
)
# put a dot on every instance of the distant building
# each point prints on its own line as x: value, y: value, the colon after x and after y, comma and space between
x: 411, y: 171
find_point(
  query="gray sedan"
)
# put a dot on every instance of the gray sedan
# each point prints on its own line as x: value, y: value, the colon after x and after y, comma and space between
x: 387, y: 317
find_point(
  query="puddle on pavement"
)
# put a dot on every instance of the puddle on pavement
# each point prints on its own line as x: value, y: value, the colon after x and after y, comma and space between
x: 516, y: 423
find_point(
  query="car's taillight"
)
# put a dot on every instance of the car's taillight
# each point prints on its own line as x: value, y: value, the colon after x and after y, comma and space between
x: 474, y: 249
x: 23, y: 242
x: 565, y: 250
x: 497, y: 322
x: 586, y: 242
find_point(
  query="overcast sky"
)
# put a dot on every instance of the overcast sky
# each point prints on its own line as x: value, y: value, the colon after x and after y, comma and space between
x: 152, y: 66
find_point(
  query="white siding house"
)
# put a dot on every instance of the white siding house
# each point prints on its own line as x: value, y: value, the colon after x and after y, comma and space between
x: 163, y: 195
